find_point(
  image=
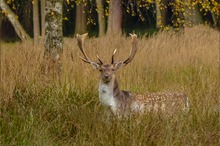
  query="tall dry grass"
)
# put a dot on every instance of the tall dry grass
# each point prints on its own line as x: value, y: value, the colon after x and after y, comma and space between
x: 38, y: 111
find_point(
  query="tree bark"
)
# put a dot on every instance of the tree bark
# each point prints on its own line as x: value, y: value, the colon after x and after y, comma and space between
x: 101, y: 17
x: 192, y: 15
x: 161, y: 13
x: 216, y: 20
x: 80, y: 26
x: 1, y: 17
x: 14, y: 21
x: 54, y: 36
x: 42, y: 3
x: 115, y: 18
x: 27, y: 22
x: 36, y: 22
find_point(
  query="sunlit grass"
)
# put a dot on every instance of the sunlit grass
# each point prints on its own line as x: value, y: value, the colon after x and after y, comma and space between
x: 38, y: 111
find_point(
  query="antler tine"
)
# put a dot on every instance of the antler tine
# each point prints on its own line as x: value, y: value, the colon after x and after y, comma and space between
x: 133, y: 49
x: 100, y: 61
x: 113, y: 56
x: 80, y: 40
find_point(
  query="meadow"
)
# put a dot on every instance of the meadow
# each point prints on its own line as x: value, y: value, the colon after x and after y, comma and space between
x: 38, y: 110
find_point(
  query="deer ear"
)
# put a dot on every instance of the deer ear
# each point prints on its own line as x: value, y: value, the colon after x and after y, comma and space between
x: 118, y: 65
x: 95, y: 65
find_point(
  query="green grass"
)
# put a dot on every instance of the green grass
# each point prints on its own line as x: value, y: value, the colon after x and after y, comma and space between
x: 38, y: 111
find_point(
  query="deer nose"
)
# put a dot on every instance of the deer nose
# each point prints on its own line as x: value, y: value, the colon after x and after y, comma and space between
x: 106, y: 76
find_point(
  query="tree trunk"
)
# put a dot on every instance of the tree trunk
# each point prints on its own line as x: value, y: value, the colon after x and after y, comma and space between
x: 159, y: 22
x: 1, y: 17
x: 54, y: 36
x: 80, y: 26
x: 161, y: 13
x: 27, y: 22
x: 42, y: 2
x: 36, y: 22
x: 14, y: 21
x: 216, y: 20
x: 192, y: 15
x: 1, y: 53
x: 101, y: 17
x: 115, y: 18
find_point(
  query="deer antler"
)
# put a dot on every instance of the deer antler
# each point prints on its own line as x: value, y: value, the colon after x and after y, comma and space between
x: 100, y: 61
x: 113, y: 56
x: 133, y: 49
x: 80, y: 40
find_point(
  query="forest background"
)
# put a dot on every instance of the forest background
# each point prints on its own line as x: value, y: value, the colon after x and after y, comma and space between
x: 100, y: 17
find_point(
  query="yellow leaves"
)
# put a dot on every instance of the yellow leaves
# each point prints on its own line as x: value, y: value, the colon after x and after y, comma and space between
x: 166, y: 28
x: 84, y: 4
x: 12, y: 3
x: 150, y: 1
x: 193, y: 4
x: 9, y: 1
x: 200, y: 9
x: 215, y: 10
x: 177, y: 29
x: 68, y: 2
x: 13, y: 7
x: 106, y: 12
x: 209, y: 6
x: 175, y: 13
x: 65, y: 19
x: 90, y: 21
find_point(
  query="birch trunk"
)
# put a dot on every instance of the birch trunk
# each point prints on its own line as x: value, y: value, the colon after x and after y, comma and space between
x: 14, y: 21
x: 54, y: 36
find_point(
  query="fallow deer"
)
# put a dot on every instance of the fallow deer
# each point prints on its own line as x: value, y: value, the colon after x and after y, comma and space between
x: 122, y: 102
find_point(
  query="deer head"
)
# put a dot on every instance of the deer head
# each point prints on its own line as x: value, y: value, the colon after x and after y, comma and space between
x: 107, y: 70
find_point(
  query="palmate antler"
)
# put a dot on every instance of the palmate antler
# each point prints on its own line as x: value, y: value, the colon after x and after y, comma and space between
x: 81, y: 38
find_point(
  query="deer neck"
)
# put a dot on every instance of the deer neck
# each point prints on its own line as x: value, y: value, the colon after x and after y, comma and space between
x: 108, y: 92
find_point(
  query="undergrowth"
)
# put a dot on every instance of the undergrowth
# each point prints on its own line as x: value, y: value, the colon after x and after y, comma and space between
x: 38, y: 111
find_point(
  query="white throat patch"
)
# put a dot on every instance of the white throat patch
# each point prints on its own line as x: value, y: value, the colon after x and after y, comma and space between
x: 106, y: 94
